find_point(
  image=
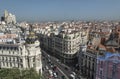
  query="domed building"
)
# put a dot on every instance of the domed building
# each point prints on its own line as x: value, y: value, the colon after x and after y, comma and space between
x: 33, y: 52
x: 22, y: 55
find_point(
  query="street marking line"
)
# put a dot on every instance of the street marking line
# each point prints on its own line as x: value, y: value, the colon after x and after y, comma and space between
x: 63, y: 73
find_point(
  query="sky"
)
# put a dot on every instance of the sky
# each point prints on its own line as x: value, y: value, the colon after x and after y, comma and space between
x: 58, y: 10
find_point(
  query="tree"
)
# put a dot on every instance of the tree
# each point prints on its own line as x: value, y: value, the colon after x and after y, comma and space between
x: 15, y: 73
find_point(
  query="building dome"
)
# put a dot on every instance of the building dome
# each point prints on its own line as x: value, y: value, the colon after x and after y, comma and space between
x: 31, y: 38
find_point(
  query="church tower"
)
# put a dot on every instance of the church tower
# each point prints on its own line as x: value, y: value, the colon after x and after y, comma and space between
x: 6, y: 14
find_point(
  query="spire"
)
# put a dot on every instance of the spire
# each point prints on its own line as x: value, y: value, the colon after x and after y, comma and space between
x: 5, y: 13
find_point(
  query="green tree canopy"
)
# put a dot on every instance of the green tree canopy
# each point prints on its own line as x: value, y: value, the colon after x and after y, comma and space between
x: 16, y: 73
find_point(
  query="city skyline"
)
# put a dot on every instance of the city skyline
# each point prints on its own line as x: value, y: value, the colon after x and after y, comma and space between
x: 46, y: 10
x: 58, y: 50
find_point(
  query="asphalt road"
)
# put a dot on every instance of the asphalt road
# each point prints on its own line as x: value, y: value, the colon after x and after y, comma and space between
x: 46, y: 62
x: 62, y: 69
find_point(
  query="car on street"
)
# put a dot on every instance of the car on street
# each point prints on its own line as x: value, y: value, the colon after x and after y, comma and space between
x: 54, y: 68
x: 55, y: 75
x: 66, y: 68
x: 72, y: 76
x: 57, y: 60
x: 51, y: 66
x: 73, y: 73
x: 51, y: 73
x: 46, y: 67
x: 49, y: 61
x: 48, y: 55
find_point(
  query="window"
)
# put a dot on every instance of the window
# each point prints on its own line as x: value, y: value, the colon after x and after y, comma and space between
x: 89, y: 58
x: 100, y: 73
x: 21, y: 53
x: 9, y: 52
x: 3, y: 63
x: 6, y: 58
x: 101, y: 65
x: 3, y: 58
x: 93, y: 66
x: 7, y: 64
x: 10, y: 64
x: 11, y: 48
x: 82, y: 55
x: 33, y: 65
x: 21, y: 65
x: 34, y: 59
x: 15, y: 48
x: 93, y: 60
x: 86, y: 57
x: 89, y: 64
x: 13, y: 58
x: 7, y: 48
x: 21, y: 60
x: 17, y: 59
x: 3, y: 47
x: 9, y: 58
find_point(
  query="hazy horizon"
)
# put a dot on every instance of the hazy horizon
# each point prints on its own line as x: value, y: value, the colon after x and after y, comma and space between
x: 53, y: 10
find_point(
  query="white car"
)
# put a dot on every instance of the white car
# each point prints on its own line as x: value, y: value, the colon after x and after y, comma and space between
x: 73, y: 73
x: 57, y: 60
x: 55, y: 75
x: 48, y: 55
x: 50, y: 72
x: 72, y: 76
x: 47, y: 67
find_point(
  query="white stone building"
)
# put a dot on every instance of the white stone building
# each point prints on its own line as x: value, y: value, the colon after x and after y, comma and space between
x: 23, y: 56
x: 63, y: 41
x: 9, y: 18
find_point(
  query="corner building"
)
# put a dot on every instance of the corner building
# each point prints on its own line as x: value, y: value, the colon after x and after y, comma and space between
x: 67, y: 46
x: 63, y: 41
x: 23, y: 56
